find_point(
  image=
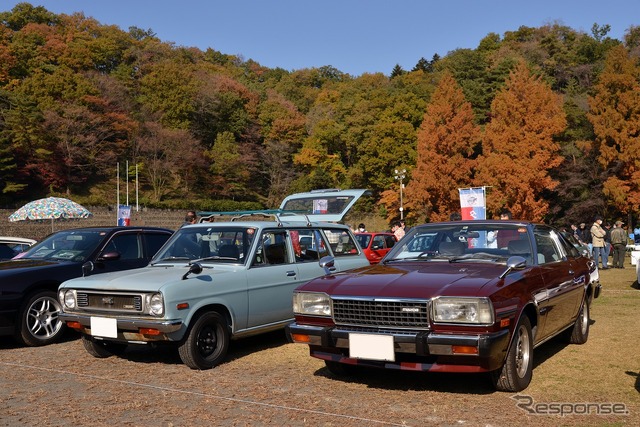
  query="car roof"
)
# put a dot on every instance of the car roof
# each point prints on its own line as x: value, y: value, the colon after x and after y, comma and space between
x: 113, y: 229
x: 266, y: 224
x: 8, y: 239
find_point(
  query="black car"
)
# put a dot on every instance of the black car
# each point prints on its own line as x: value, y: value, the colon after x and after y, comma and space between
x: 29, y: 307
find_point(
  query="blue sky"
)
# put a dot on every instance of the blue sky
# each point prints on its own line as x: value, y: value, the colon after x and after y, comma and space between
x: 354, y: 36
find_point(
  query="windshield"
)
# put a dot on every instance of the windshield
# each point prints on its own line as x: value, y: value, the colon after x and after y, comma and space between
x: 484, y: 241
x: 210, y: 244
x: 71, y: 245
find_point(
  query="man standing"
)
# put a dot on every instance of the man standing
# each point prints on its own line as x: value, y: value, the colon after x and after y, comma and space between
x: 397, y: 229
x: 597, y: 236
x: 619, y: 242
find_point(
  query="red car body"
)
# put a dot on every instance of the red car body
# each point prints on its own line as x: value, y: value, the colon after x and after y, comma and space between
x: 450, y: 300
x: 376, y: 245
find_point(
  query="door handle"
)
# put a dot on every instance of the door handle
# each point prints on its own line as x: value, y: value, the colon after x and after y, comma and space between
x: 291, y: 273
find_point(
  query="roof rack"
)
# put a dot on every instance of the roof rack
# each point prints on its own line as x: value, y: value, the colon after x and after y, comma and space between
x: 276, y: 214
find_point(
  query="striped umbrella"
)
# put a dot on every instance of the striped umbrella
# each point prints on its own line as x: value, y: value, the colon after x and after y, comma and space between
x: 50, y: 208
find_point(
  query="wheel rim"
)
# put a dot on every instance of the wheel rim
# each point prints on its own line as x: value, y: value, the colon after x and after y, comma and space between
x: 207, y: 342
x: 584, y: 321
x: 43, y: 318
x: 523, y: 352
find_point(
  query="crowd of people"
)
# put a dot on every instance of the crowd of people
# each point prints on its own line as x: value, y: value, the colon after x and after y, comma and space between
x: 602, y: 239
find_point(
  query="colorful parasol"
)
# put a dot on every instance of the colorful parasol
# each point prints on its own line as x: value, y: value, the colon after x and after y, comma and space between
x: 50, y: 208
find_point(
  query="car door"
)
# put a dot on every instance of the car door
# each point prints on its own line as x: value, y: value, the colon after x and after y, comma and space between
x: 128, y: 245
x: 271, y: 279
x: 557, y: 301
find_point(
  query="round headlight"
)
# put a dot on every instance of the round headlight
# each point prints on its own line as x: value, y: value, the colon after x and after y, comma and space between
x: 156, y: 305
x: 70, y: 299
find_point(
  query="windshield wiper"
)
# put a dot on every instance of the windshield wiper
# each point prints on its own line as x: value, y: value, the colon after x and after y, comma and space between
x: 171, y: 258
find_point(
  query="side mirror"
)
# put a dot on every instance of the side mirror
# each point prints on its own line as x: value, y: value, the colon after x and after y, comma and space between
x: 514, y: 263
x: 87, y: 268
x: 109, y: 256
x: 328, y: 264
x: 195, y: 268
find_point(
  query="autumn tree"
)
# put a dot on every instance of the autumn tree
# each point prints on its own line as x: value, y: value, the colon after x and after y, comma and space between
x: 615, y: 115
x: 447, y: 141
x: 518, y: 148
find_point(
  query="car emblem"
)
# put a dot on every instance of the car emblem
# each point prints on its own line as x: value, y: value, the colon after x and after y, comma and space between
x: 410, y: 309
x: 107, y: 300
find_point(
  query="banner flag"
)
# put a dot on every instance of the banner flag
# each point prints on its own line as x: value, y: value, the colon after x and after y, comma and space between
x: 124, y: 215
x: 472, y: 203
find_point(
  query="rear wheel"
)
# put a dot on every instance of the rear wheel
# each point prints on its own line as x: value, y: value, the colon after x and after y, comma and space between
x: 207, y: 343
x: 39, y: 322
x: 579, y: 332
x: 515, y: 374
x: 102, y: 349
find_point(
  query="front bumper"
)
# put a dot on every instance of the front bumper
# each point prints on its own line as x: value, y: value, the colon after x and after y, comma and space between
x: 422, y: 351
x: 128, y: 328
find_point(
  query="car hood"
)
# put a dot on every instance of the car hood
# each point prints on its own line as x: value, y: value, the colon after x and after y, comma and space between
x: 146, y: 279
x: 16, y: 265
x: 411, y: 280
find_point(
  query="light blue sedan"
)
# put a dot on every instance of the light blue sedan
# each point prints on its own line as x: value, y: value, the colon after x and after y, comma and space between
x: 211, y: 282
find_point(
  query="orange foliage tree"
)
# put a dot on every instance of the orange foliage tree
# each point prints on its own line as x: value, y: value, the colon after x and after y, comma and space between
x: 615, y: 115
x: 518, y: 148
x: 447, y: 140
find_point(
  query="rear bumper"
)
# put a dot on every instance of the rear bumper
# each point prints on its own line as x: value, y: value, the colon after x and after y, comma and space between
x: 423, y: 351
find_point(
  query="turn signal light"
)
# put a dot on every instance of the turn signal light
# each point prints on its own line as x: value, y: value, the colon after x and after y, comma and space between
x: 464, y: 349
x: 74, y: 325
x: 505, y: 322
x: 300, y: 338
x: 149, y: 331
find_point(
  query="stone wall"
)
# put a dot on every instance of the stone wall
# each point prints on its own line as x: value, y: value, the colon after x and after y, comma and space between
x: 171, y: 219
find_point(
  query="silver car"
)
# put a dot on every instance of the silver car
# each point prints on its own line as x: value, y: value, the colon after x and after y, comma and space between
x: 214, y: 281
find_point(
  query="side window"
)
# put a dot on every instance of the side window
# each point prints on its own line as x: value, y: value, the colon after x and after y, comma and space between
x: 154, y: 242
x: 127, y: 245
x: 308, y: 245
x: 378, y: 242
x: 390, y: 241
x: 273, y: 249
x: 344, y: 244
x: 548, y: 250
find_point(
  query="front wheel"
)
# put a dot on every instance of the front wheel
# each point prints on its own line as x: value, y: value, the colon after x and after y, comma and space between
x: 207, y: 343
x: 515, y: 374
x: 39, y: 322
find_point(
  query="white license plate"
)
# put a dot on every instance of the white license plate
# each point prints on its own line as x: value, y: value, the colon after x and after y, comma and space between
x: 104, y: 327
x: 372, y: 347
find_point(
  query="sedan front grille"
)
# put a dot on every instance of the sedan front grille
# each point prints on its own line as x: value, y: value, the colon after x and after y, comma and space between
x: 381, y: 313
x: 129, y: 303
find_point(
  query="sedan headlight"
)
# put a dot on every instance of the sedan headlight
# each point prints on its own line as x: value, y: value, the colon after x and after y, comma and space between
x: 311, y: 303
x: 67, y: 298
x: 477, y: 311
x: 155, y: 303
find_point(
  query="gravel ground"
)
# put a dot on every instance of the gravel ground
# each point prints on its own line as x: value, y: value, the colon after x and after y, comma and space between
x: 267, y: 381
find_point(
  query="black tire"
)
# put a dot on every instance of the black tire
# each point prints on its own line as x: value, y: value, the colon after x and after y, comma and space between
x: 207, y: 343
x: 102, y: 349
x: 515, y: 375
x: 579, y: 332
x: 340, y: 369
x: 38, y: 320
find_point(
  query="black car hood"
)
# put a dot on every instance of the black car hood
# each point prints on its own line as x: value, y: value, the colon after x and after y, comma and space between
x: 23, y: 263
